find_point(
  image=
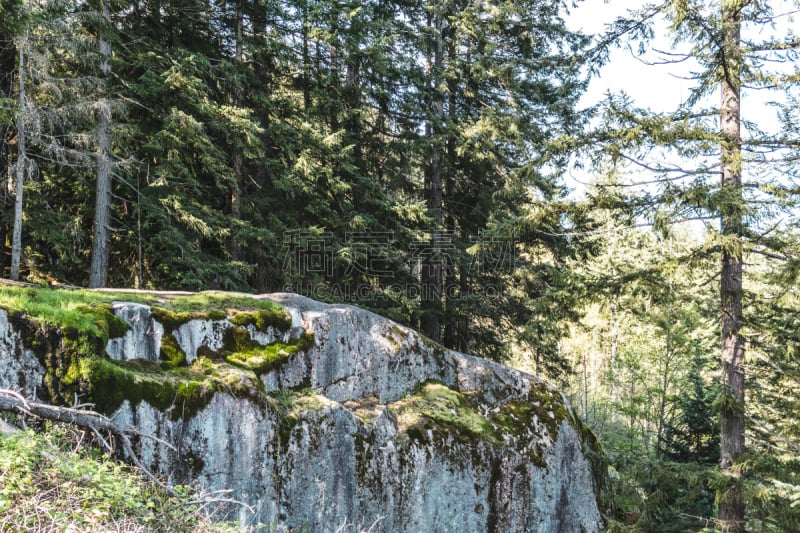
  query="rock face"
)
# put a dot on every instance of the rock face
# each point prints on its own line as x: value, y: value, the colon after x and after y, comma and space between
x: 20, y: 369
x: 142, y: 340
x: 366, y: 424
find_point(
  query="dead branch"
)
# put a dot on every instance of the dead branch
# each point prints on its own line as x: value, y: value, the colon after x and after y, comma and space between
x: 14, y: 402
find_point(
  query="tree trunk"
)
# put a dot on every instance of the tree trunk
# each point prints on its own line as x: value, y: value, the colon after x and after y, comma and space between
x: 431, y: 275
x: 234, y: 246
x: 612, y: 365
x: 98, y: 275
x: 454, y: 268
x: 306, y: 59
x: 732, y: 442
x: 8, y: 59
x: 662, y: 404
x: 16, y: 239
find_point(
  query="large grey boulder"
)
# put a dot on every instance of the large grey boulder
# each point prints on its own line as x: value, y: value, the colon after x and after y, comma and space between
x: 351, y: 422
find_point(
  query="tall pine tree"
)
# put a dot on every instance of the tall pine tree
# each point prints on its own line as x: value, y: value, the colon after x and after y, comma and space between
x: 714, y: 171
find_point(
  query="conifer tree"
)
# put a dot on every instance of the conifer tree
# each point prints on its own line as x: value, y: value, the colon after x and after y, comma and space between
x: 717, y: 173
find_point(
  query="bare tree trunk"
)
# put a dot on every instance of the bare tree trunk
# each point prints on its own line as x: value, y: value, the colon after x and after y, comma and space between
x: 8, y: 59
x: 732, y: 442
x: 138, y: 282
x: 98, y: 275
x: 16, y: 239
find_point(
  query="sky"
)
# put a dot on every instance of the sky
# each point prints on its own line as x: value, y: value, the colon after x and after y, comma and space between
x: 656, y: 87
x: 659, y: 87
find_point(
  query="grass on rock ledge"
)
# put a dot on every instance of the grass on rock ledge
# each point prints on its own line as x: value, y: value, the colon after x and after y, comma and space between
x: 79, y: 309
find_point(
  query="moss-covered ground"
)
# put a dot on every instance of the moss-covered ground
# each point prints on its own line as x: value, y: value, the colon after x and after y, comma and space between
x: 69, y: 329
x: 79, y: 309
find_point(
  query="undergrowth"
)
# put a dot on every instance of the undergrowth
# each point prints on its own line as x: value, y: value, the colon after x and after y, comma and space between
x: 53, y: 481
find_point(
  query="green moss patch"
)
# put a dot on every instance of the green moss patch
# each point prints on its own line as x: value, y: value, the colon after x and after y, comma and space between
x: 436, y: 411
x: 81, y: 309
x: 171, y: 353
x: 108, y: 324
x: 543, y: 405
x: 436, y: 408
x: 172, y: 320
x: 61, y: 352
x: 244, y: 352
x: 265, y: 318
x: 73, y: 311
x: 239, y: 348
x: 243, y: 310
x: 181, y: 392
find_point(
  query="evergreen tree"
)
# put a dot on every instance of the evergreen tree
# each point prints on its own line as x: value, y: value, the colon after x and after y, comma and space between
x: 499, y: 82
x: 694, y: 436
x: 638, y: 379
x: 61, y: 89
x: 405, y: 137
x: 745, y: 198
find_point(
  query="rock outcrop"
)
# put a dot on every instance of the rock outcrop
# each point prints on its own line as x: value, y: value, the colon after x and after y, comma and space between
x: 321, y: 416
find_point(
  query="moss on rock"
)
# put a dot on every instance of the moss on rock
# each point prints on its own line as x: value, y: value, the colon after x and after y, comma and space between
x: 436, y: 411
x: 242, y: 310
x: 271, y: 316
x: 108, y: 324
x: 181, y: 392
x: 68, y: 332
x: 60, y: 351
x: 172, y: 320
x: 436, y: 408
x: 171, y: 353
x: 262, y: 359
